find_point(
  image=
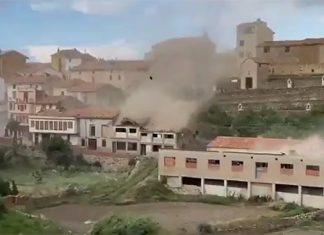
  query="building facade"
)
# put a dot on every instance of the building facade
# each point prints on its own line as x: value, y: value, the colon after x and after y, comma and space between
x: 11, y: 62
x: 249, y: 36
x: 251, y: 173
x: 88, y: 127
x: 123, y: 74
x: 64, y: 60
x: 134, y: 140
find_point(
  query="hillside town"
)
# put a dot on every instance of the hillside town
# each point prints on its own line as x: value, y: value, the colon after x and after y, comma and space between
x: 144, y: 109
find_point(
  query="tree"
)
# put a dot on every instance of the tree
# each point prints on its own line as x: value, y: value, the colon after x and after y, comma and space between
x: 13, y: 127
x: 4, y: 188
x: 14, y: 189
x: 58, y: 151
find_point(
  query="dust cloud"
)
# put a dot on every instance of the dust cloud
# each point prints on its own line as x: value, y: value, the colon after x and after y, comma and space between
x: 311, y: 148
x: 184, y: 72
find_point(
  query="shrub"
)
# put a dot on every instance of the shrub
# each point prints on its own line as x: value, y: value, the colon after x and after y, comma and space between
x: 125, y: 226
x: 4, y: 188
x: 205, y: 229
x: 132, y: 162
x: 14, y: 189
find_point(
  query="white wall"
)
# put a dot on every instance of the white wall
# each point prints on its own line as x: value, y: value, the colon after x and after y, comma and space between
x: 215, y: 190
x: 73, y: 130
x: 71, y: 63
x: 313, y: 201
x: 235, y: 191
x: 249, y: 68
x: 288, y: 197
x: 259, y: 189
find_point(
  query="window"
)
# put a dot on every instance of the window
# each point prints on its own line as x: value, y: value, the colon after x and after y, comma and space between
x: 65, y: 126
x: 132, y: 146
x: 155, y: 135
x: 37, y: 125
x: 14, y: 94
x: 121, y: 145
x: 103, y: 143
x: 312, y: 170
x: 169, y: 161
x: 41, y: 125
x: 62, y: 92
x: 70, y: 125
x: 191, y: 162
x: 92, y: 130
x: 213, y: 164
x: 313, y: 70
x: 241, y: 43
x: 60, y: 126
x: 83, y: 142
x: 132, y: 130
x: 169, y: 136
x: 287, y: 169
x: 46, y: 125
x: 51, y: 125
x: 55, y: 125
x: 287, y: 49
x: 261, y: 165
x: 237, y: 165
x: 123, y: 130
x: 143, y: 134
x: 156, y: 148
x: 266, y: 49
x: 32, y: 123
x: 14, y: 86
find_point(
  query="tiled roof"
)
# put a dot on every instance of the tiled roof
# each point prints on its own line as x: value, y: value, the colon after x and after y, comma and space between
x: 12, y: 51
x: 277, y: 60
x: 52, y: 99
x: 90, y: 87
x: 251, y: 143
x: 304, y: 42
x: 113, y: 65
x: 93, y: 112
x: 74, y: 53
x: 183, y: 40
x: 85, y: 112
x: 35, y: 67
x: 68, y: 83
x: 33, y: 79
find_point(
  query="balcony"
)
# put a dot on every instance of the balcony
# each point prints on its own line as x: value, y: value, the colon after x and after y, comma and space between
x: 312, y: 172
x: 285, y: 171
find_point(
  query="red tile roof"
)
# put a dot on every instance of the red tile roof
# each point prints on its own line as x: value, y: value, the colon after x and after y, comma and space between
x: 68, y: 83
x: 33, y: 79
x: 251, y: 143
x: 103, y: 65
x: 35, y: 67
x: 93, y: 112
x: 91, y: 87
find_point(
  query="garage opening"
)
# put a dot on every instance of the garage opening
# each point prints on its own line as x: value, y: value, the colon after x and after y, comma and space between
x: 237, y: 184
x: 214, y: 182
x: 191, y: 181
x: 317, y: 191
x: 286, y: 188
x: 248, y: 83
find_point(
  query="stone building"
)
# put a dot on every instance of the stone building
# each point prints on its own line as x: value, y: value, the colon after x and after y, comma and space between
x: 11, y: 62
x: 249, y: 36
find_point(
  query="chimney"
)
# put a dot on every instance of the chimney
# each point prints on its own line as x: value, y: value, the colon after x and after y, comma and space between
x: 58, y: 49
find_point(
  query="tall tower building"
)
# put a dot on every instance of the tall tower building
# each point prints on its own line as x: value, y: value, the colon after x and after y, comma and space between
x: 248, y: 36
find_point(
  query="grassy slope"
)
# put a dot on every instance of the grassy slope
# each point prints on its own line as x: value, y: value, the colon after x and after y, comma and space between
x: 16, y: 223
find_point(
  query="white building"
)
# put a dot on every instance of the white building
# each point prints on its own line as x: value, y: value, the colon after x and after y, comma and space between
x: 89, y: 127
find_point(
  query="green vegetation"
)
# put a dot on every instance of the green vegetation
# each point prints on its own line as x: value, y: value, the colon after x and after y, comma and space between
x: 290, y: 209
x: 125, y: 226
x: 214, y: 121
x: 17, y: 223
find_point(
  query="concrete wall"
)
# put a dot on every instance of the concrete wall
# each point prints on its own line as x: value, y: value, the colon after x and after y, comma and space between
x: 174, y: 181
x: 215, y: 190
x: 259, y: 189
x: 313, y: 201
x: 288, y: 197
x: 237, y: 192
x: 71, y: 63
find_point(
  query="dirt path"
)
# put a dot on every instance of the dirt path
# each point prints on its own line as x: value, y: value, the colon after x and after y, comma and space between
x: 174, y: 216
x: 297, y: 232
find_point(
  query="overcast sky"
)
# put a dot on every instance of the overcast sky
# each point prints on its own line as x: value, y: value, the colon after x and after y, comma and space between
x: 127, y: 28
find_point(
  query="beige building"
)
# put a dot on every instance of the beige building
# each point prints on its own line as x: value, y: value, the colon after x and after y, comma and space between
x: 64, y: 60
x: 11, y: 62
x: 248, y: 173
x: 123, y: 74
x: 253, y: 73
x: 249, y: 36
